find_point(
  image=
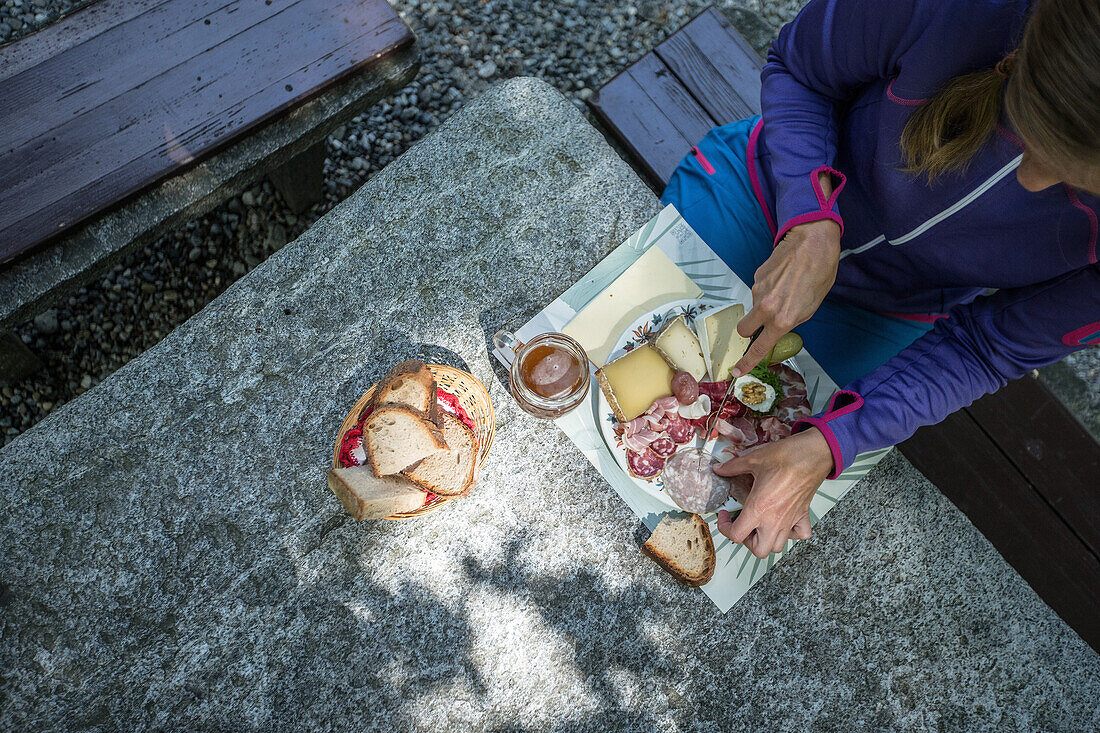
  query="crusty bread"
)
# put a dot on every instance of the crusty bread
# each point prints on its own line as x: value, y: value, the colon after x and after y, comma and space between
x: 450, y: 473
x: 683, y: 547
x: 367, y: 496
x: 412, y: 384
x: 396, y: 438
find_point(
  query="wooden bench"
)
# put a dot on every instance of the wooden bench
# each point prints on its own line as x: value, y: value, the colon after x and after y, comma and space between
x: 1018, y: 463
x: 129, y: 117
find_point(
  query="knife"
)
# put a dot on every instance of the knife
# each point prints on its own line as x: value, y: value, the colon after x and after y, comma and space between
x: 729, y: 391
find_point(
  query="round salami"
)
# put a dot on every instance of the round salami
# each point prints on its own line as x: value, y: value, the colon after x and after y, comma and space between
x: 663, y: 446
x: 647, y: 465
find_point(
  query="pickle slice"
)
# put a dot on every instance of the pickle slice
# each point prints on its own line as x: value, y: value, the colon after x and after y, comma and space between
x: 788, y: 345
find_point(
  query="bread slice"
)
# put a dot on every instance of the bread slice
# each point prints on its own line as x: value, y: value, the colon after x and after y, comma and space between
x: 450, y: 473
x: 367, y: 496
x: 412, y: 384
x: 683, y: 547
x: 396, y: 438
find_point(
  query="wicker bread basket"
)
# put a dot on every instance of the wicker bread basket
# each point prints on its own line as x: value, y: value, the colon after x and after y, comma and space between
x: 473, y: 397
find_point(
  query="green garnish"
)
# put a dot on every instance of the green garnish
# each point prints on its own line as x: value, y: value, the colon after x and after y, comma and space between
x: 767, y: 376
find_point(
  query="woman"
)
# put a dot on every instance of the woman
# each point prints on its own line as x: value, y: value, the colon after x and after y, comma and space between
x: 913, y: 157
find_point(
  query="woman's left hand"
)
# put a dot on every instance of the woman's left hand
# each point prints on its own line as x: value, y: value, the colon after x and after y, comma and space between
x: 786, y: 474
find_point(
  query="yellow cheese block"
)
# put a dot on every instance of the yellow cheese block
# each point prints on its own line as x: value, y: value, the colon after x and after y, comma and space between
x: 724, y: 344
x: 650, y: 282
x: 635, y: 381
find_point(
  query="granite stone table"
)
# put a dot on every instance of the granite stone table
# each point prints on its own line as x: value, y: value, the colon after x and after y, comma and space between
x: 172, y: 557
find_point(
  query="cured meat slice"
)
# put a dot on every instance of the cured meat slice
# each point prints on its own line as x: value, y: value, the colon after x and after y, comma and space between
x: 714, y: 390
x: 644, y: 465
x: 741, y: 431
x: 771, y: 429
x: 734, y: 452
x: 792, y: 381
x: 792, y: 409
x: 665, y: 404
x: 663, y: 446
x: 640, y: 441
x: 681, y: 430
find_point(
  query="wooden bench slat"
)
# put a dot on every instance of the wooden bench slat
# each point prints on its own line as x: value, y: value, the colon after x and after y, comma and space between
x: 716, y: 65
x: 971, y: 470
x: 67, y: 32
x: 636, y: 105
x: 66, y: 87
x: 78, y: 166
x: 1050, y: 448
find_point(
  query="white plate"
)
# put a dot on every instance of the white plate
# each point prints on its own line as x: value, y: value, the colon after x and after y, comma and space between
x: 634, y: 336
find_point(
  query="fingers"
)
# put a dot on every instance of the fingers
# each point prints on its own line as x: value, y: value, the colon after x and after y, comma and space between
x: 759, y: 350
x: 752, y: 321
x: 780, y: 541
x: 738, y: 466
x: 724, y: 522
x: 752, y: 543
x: 766, y: 539
x: 743, y: 526
x: 801, y: 529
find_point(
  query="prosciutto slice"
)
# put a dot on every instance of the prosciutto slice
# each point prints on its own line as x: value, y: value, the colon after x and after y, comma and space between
x: 795, y: 404
x: 641, y: 439
x: 741, y: 431
x: 770, y: 429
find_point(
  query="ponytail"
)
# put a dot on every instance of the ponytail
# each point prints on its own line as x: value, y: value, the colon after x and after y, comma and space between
x: 946, y: 131
x: 1051, y: 92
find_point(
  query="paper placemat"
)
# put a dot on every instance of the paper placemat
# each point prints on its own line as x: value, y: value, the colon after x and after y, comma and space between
x: 737, y: 569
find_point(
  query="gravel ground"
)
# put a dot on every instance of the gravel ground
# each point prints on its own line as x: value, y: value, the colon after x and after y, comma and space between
x: 576, y: 45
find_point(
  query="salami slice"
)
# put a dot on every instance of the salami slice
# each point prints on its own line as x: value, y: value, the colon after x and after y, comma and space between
x: 663, y: 446
x: 680, y: 430
x: 647, y: 465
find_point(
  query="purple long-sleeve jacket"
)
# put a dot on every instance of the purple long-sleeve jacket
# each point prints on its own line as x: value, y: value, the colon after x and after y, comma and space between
x: 838, y: 87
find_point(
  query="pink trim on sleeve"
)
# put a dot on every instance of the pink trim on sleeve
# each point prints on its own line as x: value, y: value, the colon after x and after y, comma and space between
x: 750, y: 159
x: 899, y: 100
x: 834, y: 446
x: 826, y: 204
x: 806, y: 219
x: 832, y: 412
x: 1073, y: 199
x: 815, y: 181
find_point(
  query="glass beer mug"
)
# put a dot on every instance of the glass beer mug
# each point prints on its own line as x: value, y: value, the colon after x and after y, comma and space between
x: 548, y: 375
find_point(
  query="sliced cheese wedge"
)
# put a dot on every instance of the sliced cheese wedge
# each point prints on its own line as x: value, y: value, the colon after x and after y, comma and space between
x: 679, y: 345
x: 634, y: 381
x: 652, y: 280
x: 724, y: 345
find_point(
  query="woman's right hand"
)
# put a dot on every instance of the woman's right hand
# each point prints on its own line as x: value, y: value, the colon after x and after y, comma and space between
x: 789, y: 287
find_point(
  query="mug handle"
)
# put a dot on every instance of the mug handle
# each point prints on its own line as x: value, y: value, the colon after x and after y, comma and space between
x: 507, y: 343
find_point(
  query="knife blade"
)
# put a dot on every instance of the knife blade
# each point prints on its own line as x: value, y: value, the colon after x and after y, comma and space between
x: 729, y: 391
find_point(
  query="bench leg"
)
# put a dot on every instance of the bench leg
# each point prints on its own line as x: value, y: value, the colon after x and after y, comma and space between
x: 301, y: 179
x: 16, y: 360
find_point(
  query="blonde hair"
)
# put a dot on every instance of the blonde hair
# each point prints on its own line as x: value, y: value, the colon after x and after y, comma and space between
x: 1051, y: 92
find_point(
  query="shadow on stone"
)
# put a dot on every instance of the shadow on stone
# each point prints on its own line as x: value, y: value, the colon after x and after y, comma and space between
x: 601, y: 624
